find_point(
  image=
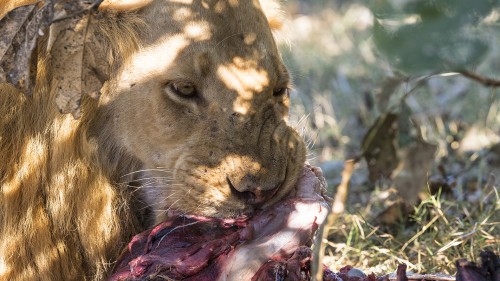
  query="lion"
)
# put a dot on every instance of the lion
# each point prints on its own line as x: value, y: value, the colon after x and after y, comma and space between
x: 191, y: 117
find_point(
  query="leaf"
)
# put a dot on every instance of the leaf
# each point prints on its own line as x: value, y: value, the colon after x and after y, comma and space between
x: 422, y: 36
x: 95, y: 67
x: 21, y: 28
x: 489, y: 270
x: 67, y: 51
x: 78, y: 65
x: 11, y: 26
x: 379, y: 147
x: 401, y: 273
x: 76, y: 69
x: 411, y: 175
x: 386, y: 90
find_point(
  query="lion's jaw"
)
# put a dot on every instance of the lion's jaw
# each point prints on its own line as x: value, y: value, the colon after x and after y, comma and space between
x: 225, y: 149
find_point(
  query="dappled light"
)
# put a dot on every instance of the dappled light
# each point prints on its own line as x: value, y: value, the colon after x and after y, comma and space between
x: 191, y: 117
x: 235, y: 71
x: 121, y: 115
x: 34, y: 148
x: 243, y: 77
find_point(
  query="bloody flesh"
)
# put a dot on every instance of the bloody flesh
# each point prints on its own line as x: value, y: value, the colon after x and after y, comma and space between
x: 271, y: 243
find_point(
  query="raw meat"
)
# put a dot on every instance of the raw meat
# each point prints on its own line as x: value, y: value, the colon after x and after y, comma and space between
x: 272, y: 244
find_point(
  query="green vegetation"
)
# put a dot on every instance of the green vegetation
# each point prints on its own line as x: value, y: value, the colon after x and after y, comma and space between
x: 352, y: 63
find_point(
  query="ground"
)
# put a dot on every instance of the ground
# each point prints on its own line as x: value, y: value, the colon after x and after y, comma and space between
x: 341, y: 84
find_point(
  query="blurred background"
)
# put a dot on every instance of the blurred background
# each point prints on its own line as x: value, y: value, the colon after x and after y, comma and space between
x: 409, y: 89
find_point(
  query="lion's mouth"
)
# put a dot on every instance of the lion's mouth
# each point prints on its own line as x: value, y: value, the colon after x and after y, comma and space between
x: 194, y: 247
x: 256, y: 198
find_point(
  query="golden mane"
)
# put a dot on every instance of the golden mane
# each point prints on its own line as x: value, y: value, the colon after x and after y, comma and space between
x: 59, y: 204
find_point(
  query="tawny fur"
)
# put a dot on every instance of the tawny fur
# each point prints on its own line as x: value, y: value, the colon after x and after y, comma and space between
x: 70, y: 198
x: 62, y: 216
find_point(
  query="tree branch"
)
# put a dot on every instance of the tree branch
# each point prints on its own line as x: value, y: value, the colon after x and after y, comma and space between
x: 488, y: 82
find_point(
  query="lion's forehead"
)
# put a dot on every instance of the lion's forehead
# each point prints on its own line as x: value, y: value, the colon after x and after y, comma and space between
x: 169, y: 52
x: 231, y: 44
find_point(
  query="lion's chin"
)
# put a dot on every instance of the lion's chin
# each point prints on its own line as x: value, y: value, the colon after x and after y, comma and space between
x: 223, y: 210
x: 222, y: 214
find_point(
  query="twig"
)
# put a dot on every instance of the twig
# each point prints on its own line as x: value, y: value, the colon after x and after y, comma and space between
x: 338, y: 207
x: 487, y: 82
x: 420, y: 82
x: 416, y: 276
x: 92, y: 7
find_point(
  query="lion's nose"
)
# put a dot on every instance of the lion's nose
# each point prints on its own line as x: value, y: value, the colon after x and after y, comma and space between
x: 251, y: 192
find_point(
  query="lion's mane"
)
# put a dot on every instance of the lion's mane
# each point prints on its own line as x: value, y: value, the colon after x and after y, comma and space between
x: 62, y: 215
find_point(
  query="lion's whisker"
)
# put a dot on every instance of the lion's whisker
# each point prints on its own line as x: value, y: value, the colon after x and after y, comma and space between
x: 146, y: 170
x: 162, y: 201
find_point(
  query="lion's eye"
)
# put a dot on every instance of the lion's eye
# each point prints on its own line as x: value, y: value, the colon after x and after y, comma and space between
x: 183, y: 89
x: 281, y: 92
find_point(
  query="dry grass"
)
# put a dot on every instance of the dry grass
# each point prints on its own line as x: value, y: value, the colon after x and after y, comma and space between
x: 439, y: 232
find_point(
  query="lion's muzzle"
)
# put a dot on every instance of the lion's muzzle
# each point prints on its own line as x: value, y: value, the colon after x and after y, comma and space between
x: 271, y: 161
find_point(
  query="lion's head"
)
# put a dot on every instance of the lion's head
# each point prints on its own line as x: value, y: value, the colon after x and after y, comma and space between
x: 203, y: 104
x: 192, y: 117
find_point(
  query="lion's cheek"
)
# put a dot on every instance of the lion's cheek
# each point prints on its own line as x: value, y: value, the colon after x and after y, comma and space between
x: 151, y: 132
x: 296, y: 150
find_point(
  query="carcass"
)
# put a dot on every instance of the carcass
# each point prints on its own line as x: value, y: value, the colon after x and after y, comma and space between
x: 271, y: 244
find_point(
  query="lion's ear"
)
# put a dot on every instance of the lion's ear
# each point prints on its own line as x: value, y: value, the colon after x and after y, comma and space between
x: 274, y: 13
